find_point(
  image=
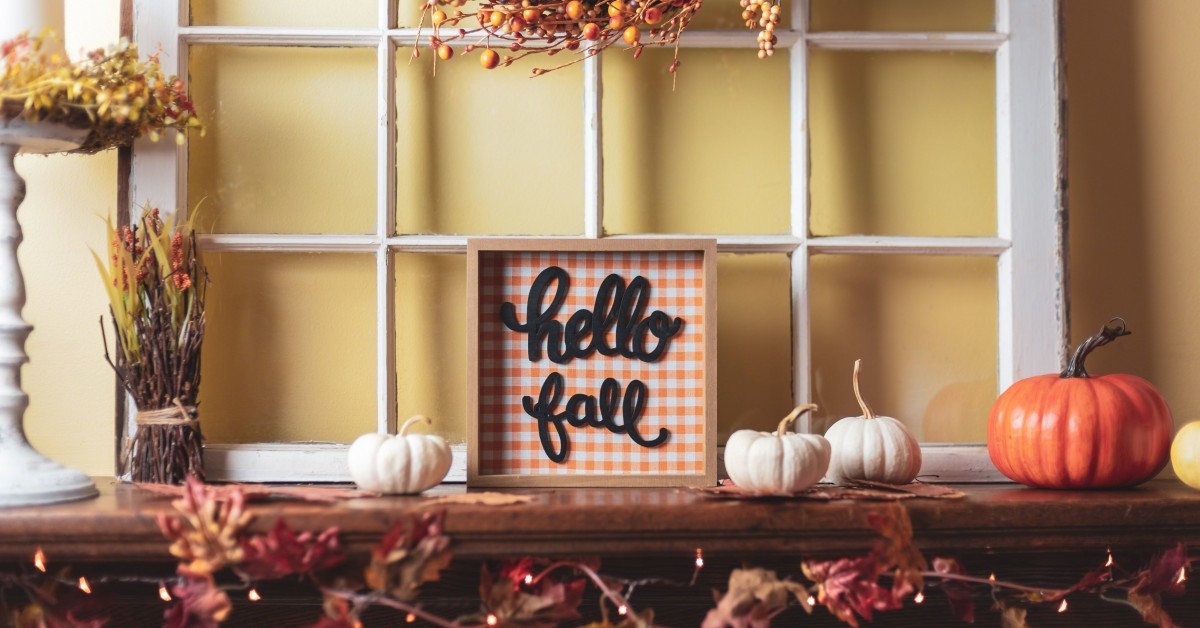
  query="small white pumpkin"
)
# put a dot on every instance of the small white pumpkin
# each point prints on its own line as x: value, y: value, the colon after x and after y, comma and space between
x: 783, y: 462
x: 874, y: 448
x: 401, y: 464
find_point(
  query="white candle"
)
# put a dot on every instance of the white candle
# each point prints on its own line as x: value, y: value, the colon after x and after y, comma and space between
x: 17, y: 16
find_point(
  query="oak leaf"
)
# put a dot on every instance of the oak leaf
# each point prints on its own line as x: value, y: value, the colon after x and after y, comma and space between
x: 754, y: 598
x: 409, y: 556
x: 544, y: 603
x: 282, y: 552
x: 849, y: 587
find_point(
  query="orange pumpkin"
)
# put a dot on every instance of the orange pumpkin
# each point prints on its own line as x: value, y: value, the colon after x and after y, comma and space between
x: 1073, y: 430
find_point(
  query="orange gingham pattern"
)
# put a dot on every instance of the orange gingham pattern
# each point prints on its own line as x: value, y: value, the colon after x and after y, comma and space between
x: 508, y: 437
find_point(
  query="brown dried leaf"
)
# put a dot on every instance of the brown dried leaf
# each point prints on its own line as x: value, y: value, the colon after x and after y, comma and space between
x: 754, y: 597
x: 900, y: 553
x: 481, y: 499
x: 1151, y: 608
x: 262, y: 492
x: 919, y: 489
x: 1013, y: 617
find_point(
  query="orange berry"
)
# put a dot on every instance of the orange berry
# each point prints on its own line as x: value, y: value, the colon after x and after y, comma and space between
x: 631, y: 35
x: 615, y: 22
x: 489, y: 59
x: 591, y: 31
x: 496, y: 19
x: 444, y: 52
x: 531, y: 15
x: 574, y: 9
x: 516, y: 24
x: 653, y: 15
x: 616, y: 7
x: 439, y: 17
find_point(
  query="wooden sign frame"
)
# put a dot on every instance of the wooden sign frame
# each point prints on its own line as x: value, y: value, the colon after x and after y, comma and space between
x: 690, y: 459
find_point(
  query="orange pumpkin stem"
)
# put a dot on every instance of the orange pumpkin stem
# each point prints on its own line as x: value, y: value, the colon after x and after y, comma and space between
x: 1104, y: 336
x: 858, y: 395
x: 417, y: 418
x: 785, y: 426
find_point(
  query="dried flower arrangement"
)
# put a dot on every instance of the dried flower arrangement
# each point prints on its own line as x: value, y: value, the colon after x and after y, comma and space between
x: 585, y: 27
x: 156, y: 285
x: 112, y: 93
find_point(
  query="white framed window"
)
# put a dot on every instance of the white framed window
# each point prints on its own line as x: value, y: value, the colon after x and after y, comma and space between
x: 1026, y: 246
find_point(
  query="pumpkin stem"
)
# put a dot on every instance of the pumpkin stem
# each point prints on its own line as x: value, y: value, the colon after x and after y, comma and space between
x: 785, y: 426
x: 858, y: 395
x: 416, y: 418
x: 1104, y: 336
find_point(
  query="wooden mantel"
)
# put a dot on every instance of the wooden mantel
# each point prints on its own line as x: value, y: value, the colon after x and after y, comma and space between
x: 120, y: 525
x: 1046, y: 538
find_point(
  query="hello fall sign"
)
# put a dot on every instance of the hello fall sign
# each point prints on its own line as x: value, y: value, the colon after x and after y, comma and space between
x: 592, y: 362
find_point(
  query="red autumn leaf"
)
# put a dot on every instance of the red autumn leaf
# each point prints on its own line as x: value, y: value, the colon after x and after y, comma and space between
x: 1162, y: 575
x: 409, y: 556
x: 849, y: 587
x: 282, y: 552
x: 542, y: 604
x: 960, y: 594
x: 900, y: 553
x: 198, y: 602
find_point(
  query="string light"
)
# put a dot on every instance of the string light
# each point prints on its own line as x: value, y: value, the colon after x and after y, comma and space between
x: 410, y: 618
x: 919, y: 597
x: 812, y: 601
x: 699, y: 558
x: 1062, y: 608
x: 84, y: 586
x: 624, y: 609
x: 1109, y: 562
x: 253, y: 595
x: 1182, y: 577
x: 528, y: 578
x: 992, y: 577
x: 39, y: 560
x: 492, y: 621
x: 162, y: 593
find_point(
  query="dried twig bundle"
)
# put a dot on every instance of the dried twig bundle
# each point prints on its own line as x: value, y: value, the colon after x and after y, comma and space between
x: 156, y: 285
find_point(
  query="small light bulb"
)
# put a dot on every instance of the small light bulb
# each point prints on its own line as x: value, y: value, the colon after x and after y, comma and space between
x: 1182, y: 577
x: 410, y: 618
x: 992, y: 577
x: 84, y: 586
x: 812, y: 601
x: 1062, y: 608
x: 919, y: 597
x: 624, y: 609
x: 529, y: 578
x: 699, y: 558
x: 39, y: 560
x: 1109, y: 562
x: 492, y: 621
x: 162, y: 593
x: 253, y: 595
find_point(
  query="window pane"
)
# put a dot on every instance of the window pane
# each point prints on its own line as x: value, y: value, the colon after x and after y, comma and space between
x: 289, y: 352
x: 709, y: 156
x: 902, y: 15
x: 294, y: 13
x: 926, y: 331
x: 488, y: 152
x: 903, y: 143
x: 291, y: 142
x: 431, y: 344
x: 754, y: 348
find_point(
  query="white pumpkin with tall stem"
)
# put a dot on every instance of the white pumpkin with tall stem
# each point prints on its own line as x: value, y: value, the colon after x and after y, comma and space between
x: 783, y: 462
x: 873, y: 448
x: 403, y: 464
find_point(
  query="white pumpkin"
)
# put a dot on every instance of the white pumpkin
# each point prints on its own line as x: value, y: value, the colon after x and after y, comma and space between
x: 874, y: 448
x: 401, y: 464
x: 782, y: 462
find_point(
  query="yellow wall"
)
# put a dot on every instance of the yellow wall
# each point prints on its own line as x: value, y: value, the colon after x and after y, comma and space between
x: 1133, y: 131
